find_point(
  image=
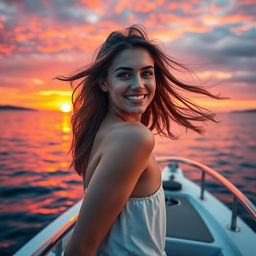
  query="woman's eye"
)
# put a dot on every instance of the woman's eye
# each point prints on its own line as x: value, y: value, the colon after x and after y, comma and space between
x: 147, y: 73
x: 124, y: 75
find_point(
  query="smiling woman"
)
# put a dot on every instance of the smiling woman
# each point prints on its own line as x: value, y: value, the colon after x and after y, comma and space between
x: 125, y: 94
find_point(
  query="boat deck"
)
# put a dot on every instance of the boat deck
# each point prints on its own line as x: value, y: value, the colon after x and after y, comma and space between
x: 191, y: 225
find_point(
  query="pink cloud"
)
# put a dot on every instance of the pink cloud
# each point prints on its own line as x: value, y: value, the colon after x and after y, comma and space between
x: 5, y: 49
x: 143, y: 6
x: 92, y: 4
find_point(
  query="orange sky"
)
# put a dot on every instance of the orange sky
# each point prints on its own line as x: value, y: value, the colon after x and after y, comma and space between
x: 43, y: 39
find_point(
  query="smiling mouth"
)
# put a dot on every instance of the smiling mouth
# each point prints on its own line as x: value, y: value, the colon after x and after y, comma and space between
x: 136, y: 98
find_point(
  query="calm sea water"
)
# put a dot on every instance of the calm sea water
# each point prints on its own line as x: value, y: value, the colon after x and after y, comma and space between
x: 36, y: 184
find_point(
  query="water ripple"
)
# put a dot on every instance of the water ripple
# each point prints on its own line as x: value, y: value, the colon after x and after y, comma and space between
x: 36, y: 185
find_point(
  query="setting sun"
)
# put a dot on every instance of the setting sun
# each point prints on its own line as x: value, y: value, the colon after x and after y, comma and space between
x: 65, y: 108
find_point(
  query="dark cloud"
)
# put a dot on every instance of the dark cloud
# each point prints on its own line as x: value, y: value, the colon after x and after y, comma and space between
x: 243, y: 8
x: 248, y: 78
x: 219, y: 48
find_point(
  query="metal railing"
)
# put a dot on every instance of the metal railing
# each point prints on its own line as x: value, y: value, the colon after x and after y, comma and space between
x: 238, y: 195
x: 55, y: 241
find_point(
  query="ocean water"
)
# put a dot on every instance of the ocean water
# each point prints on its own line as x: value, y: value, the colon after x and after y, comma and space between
x: 36, y: 184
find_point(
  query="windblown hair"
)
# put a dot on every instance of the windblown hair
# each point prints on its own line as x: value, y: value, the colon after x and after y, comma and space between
x: 90, y: 103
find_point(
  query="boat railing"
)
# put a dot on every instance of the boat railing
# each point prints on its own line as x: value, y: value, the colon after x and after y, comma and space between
x: 237, y: 194
x: 55, y: 242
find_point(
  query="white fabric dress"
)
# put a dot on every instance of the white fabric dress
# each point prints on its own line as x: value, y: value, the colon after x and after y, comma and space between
x: 140, y: 228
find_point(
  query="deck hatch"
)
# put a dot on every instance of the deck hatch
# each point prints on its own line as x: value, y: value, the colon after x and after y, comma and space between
x: 184, y: 222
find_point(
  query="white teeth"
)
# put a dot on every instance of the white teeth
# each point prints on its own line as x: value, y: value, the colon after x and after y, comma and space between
x: 136, y: 97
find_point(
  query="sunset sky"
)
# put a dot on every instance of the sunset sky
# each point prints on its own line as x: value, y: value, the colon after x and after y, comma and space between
x: 46, y: 38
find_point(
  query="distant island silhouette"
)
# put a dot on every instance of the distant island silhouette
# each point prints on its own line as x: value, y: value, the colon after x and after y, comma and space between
x: 244, y: 111
x: 10, y: 107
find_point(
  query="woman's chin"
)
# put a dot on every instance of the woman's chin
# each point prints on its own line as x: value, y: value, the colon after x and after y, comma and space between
x: 137, y: 111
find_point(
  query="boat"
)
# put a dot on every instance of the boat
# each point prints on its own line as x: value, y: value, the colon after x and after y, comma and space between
x: 197, y: 222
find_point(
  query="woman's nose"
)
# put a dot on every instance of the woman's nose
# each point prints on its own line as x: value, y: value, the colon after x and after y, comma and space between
x: 137, y: 82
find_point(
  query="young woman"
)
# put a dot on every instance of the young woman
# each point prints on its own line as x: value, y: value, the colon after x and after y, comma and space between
x: 127, y: 92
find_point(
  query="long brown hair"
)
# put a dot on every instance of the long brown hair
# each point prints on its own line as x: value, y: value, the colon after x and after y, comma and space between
x: 90, y: 103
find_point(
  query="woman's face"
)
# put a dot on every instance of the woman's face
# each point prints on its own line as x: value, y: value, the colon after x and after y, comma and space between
x: 130, y: 84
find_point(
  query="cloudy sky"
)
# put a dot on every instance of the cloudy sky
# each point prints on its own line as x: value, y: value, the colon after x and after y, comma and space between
x: 46, y: 38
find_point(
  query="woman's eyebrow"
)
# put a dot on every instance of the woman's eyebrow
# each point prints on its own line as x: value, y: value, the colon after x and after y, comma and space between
x: 130, y: 69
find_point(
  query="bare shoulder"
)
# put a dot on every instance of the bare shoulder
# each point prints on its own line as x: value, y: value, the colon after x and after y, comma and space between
x: 130, y: 133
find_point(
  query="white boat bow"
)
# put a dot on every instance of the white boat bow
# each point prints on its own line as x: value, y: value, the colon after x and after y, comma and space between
x: 197, y: 222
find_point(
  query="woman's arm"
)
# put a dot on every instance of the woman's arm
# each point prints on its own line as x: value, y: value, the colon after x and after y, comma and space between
x: 125, y: 156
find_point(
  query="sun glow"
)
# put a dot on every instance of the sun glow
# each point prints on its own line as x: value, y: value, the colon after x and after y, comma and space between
x: 65, y: 108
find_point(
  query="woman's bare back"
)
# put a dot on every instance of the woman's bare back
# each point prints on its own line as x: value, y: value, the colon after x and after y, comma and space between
x: 149, y: 180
